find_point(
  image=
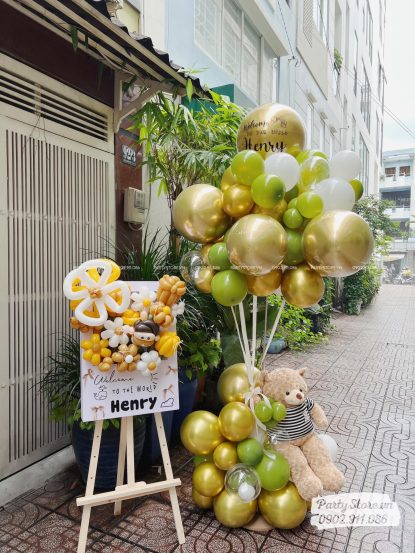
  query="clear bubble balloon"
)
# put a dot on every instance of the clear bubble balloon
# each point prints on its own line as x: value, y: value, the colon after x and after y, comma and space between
x: 345, y: 165
x: 190, y: 263
x: 244, y: 481
x: 285, y: 167
x: 336, y: 194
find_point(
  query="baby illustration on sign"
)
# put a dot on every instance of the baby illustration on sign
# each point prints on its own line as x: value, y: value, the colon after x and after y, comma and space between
x: 146, y: 333
x: 311, y: 466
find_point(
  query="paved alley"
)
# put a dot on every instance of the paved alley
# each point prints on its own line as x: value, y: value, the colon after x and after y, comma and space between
x: 363, y: 377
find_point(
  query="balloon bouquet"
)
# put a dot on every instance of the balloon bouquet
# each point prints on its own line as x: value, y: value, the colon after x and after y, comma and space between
x: 280, y: 221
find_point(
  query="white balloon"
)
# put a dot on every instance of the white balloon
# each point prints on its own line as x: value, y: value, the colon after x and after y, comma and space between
x: 330, y: 444
x: 345, y: 165
x: 284, y: 166
x: 246, y: 492
x: 336, y: 194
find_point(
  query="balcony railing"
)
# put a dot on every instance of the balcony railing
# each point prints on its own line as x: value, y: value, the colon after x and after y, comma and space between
x: 396, y: 180
x: 399, y: 212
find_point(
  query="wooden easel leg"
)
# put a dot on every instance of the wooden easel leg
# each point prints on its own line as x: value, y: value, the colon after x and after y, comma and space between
x: 121, y: 462
x: 92, y: 471
x: 130, y: 451
x: 169, y: 475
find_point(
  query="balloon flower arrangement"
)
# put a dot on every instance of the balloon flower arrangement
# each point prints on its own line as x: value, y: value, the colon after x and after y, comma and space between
x: 280, y: 221
x: 124, y: 331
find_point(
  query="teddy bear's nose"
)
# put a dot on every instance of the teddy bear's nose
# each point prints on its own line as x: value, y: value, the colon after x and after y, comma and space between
x: 299, y: 396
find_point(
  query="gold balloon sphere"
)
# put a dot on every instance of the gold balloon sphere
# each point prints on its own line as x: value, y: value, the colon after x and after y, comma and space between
x: 271, y: 128
x: 201, y: 501
x: 302, y: 286
x: 203, y: 279
x: 228, y: 180
x: 200, y: 432
x: 231, y: 511
x: 237, y: 200
x: 204, y: 252
x: 198, y: 213
x: 225, y: 455
x: 233, y: 383
x: 208, y: 480
x: 256, y: 244
x: 284, y: 509
x: 275, y: 212
x: 264, y: 285
x: 236, y: 421
x: 338, y: 243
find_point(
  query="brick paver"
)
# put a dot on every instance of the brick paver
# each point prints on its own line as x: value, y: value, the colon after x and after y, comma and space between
x: 364, y: 378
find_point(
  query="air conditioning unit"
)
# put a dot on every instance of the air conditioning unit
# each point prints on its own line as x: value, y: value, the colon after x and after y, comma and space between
x: 135, y: 205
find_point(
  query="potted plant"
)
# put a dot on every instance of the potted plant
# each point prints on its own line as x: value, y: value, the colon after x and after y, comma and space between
x: 61, y: 384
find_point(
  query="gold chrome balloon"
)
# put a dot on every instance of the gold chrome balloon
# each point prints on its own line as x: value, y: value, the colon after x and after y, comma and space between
x: 338, y: 243
x: 302, y: 286
x: 284, y: 509
x: 225, y: 455
x: 231, y: 511
x: 208, y: 480
x: 256, y: 244
x: 200, y: 432
x: 198, y: 213
x: 264, y: 285
x: 204, y: 252
x: 227, y: 180
x: 271, y: 128
x: 236, y: 421
x: 203, y: 279
x: 233, y: 383
x: 201, y: 501
x: 275, y: 212
x: 237, y: 200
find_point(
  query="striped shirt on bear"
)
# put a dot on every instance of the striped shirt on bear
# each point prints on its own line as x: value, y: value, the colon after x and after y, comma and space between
x: 297, y: 423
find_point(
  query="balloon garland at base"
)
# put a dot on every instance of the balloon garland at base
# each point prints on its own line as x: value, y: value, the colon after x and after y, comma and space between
x: 279, y: 222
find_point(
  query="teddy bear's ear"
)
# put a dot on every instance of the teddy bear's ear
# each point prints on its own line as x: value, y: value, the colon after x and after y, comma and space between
x: 302, y: 371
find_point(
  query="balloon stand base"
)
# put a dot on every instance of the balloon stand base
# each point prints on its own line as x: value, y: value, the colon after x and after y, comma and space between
x: 259, y: 524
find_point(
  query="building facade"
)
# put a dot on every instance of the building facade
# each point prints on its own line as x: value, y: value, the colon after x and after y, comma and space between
x: 397, y: 185
x: 322, y: 57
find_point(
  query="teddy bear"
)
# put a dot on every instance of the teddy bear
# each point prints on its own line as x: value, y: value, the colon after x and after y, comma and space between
x: 311, y: 466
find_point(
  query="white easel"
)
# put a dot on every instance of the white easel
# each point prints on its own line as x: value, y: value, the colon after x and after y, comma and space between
x: 132, y: 488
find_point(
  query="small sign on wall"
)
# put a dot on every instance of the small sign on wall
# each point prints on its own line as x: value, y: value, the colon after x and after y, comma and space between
x: 114, y: 394
x: 129, y: 155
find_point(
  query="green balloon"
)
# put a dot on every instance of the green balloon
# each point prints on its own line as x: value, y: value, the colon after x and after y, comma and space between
x: 250, y: 451
x: 318, y: 153
x: 229, y: 287
x: 263, y: 411
x: 218, y: 257
x: 273, y: 471
x: 357, y: 187
x: 199, y: 459
x: 292, y: 218
x: 302, y: 156
x: 292, y: 204
x: 309, y: 204
x: 278, y: 411
x: 267, y: 190
x: 247, y: 166
x: 293, y: 193
x: 313, y: 170
x: 295, y: 252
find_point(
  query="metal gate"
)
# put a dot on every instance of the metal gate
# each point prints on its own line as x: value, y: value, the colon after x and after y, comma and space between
x: 56, y: 210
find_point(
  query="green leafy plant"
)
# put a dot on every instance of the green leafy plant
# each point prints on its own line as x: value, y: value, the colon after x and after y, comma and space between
x: 373, y: 211
x: 295, y: 327
x: 360, y: 289
x: 338, y: 60
x: 199, y: 355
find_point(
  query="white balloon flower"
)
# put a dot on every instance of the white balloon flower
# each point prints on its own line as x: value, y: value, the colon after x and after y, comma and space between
x: 116, y: 332
x: 149, y: 362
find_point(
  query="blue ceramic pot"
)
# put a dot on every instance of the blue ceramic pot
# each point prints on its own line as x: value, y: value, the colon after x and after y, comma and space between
x: 106, y: 477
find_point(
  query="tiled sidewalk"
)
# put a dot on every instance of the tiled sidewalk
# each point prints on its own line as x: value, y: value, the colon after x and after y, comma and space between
x: 364, y: 378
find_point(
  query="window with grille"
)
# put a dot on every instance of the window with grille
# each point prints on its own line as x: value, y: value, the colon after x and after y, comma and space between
x: 208, y: 18
x: 364, y: 157
x: 223, y: 31
x: 405, y: 171
x: 390, y: 171
x: 365, y: 98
